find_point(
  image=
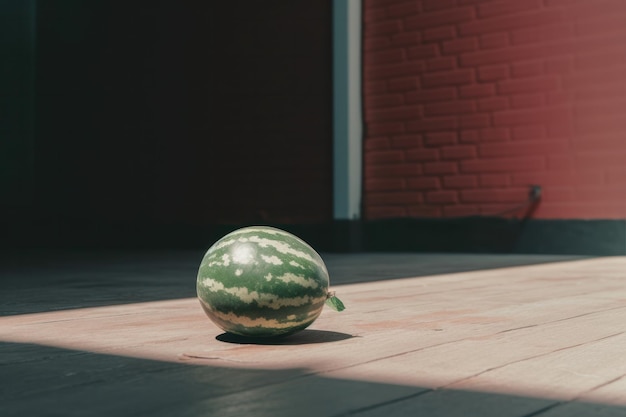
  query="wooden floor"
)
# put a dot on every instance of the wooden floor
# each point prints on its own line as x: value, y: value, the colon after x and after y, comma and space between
x: 423, y: 335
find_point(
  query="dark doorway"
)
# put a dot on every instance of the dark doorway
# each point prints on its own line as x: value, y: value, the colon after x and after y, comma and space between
x: 157, y: 120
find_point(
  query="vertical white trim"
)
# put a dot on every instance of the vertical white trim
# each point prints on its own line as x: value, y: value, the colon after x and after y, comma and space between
x: 347, y: 117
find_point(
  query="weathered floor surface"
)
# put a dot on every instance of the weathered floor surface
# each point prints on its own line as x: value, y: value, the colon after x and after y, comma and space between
x: 427, y: 335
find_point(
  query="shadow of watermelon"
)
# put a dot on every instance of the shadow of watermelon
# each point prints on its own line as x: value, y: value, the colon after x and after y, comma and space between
x: 304, y: 337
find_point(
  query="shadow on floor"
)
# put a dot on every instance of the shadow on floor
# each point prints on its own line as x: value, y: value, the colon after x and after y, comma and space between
x: 38, y: 381
x: 304, y: 337
x: 46, y: 281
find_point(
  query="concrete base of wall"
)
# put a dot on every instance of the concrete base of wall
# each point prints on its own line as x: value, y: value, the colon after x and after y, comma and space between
x: 497, y: 235
x: 460, y: 235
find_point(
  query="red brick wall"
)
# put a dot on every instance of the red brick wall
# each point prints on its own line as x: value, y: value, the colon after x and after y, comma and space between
x: 468, y: 102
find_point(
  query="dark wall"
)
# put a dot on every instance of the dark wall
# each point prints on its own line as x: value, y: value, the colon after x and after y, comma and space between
x: 17, y: 71
x: 157, y: 120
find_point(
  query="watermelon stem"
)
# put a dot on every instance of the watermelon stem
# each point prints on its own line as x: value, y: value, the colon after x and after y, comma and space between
x: 333, y: 302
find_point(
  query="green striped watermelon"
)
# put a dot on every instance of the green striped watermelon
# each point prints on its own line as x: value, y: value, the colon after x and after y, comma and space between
x: 261, y: 282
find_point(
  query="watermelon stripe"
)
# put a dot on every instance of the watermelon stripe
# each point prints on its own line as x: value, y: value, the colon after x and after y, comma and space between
x: 245, y: 326
x: 262, y: 299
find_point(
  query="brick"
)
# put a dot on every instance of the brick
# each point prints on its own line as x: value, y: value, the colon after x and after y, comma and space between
x: 616, y: 176
x: 506, y: 195
x: 520, y: 101
x: 559, y: 98
x: 385, y: 212
x: 525, y: 163
x: 464, y: 210
x: 422, y: 154
x: 531, y: 116
x: 494, y: 180
x: 493, y: 104
x: 477, y: 120
x: 558, y: 65
x: 599, y: 124
x: 528, y: 85
x: 493, y: 73
x: 494, y: 40
x: 560, y: 162
x: 477, y: 90
x: 423, y: 183
x: 405, y: 39
x: 393, y: 113
x: 589, y: 61
x: 440, y: 168
x: 374, y: 44
x: 558, y: 3
x: 439, y: 18
x: 385, y: 184
x: 423, y: 51
x: 499, y: 56
x: 450, y: 108
x: 384, y: 56
x: 586, y: 10
x: 406, y: 141
x: 523, y: 147
x: 469, y: 136
x: 400, y: 69
x: 528, y: 132
x: 559, y: 194
x: 581, y: 80
x: 607, y: 142
x: 429, y: 5
x: 403, y: 84
x: 393, y: 198
x: 459, y: 45
x: 385, y: 100
x: 403, y: 9
x: 560, y: 129
x: 560, y: 178
x: 442, y: 79
x: 460, y: 181
x: 599, y: 92
x: 376, y: 129
x: 377, y: 143
x: 431, y: 95
x: 494, y: 134
x: 384, y: 157
x: 497, y: 8
x: 442, y: 197
x: 514, y: 21
x: 401, y: 170
x: 383, y: 28
x: 439, y: 34
x: 601, y: 25
x: 374, y: 87
x: 432, y: 124
x: 440, y: 138
x: 552, y: 32
x: 458, y: 152
x: 442, y: 63
x: 374, y: 14
x: 527, y: 69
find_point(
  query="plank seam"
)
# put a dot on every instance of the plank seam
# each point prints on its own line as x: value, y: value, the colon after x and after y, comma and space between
x: 384, y: 403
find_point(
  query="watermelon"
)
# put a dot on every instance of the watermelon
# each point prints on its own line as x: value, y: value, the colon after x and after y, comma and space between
x: 262, y: 281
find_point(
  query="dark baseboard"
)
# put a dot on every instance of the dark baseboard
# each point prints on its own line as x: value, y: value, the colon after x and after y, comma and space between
x: 460, y: 235
x: 498, y: 235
